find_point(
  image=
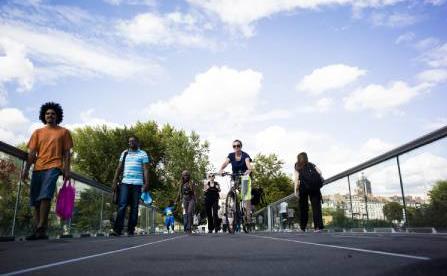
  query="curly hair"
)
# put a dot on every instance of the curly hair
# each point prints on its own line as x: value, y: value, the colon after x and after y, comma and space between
x: 54, y: 106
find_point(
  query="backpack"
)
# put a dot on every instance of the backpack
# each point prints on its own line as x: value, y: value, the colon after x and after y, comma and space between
x: 310, y: 179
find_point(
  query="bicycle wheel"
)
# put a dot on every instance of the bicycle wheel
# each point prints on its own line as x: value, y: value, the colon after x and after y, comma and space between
x: 231, y: 211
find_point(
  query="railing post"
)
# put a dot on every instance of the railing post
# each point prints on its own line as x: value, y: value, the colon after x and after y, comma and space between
x: 350, y: 198
x: 402, y: 190
x: 19, y: 190
x: 269, y: 218
x: 101, y: 212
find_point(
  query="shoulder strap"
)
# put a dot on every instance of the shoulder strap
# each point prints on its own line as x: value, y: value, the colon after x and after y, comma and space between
x: 124, y: 161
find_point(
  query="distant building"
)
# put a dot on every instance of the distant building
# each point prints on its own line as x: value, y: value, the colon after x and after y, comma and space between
x: 363, y: 185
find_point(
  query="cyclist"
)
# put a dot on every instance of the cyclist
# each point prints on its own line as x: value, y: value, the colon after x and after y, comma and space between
x: 240, y: 164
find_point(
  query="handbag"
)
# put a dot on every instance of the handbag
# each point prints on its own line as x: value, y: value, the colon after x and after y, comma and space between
x: 116, y: 192
x: 65, y: 200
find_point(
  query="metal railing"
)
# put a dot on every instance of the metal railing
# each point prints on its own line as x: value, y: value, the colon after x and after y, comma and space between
x: 101, y: 194
x: 365, y: 199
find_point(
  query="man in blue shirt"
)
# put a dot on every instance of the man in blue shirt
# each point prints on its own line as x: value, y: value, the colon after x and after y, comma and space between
x: 134, y: 168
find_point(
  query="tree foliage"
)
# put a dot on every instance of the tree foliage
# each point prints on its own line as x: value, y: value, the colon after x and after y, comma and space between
x: 268, y: 175
x: 393, y: 211
x: 97, y: 151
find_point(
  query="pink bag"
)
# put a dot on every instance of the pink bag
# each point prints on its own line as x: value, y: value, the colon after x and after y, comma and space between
x: 65, y: 200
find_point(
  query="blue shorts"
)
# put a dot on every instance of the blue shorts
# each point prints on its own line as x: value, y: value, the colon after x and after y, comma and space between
x: 169, y: 220
x: 43, y: 184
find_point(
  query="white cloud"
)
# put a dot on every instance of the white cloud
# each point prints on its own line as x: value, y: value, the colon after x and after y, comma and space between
x: 323, y: 105
x: 405, y: 38
x: 12, y: 118
x: 14, y: 65
x: 427, y: 43
x: 436, y: 57
x: 218, y: 95
x: 88, y: 119
x: 171, y: 29
x: 3, y: 97
x: 74, y: 55
x: 421, y: 171
x: 13, y: 125
x: 393, y: 20
x: 241, y: 14
x: 329, y: 77
x: 374, y: 147
x: 434, y: 76
x: 436, y: 124
x: 131, y: 2
x: 379, y: 98
x: 435, y: 2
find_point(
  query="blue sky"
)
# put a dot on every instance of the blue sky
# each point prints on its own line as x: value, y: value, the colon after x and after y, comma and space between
x: 343, y: 80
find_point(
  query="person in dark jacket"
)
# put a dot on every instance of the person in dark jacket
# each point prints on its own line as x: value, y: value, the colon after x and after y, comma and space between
x: 212, y: 190
x: 188, y: 195
x: 305, y: 191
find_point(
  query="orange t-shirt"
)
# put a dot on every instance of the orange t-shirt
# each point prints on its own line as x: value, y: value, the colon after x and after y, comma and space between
x: 50, y: 144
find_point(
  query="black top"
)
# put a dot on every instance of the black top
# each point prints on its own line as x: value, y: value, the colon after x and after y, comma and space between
x: 212, y: 191
x: 239, y: 166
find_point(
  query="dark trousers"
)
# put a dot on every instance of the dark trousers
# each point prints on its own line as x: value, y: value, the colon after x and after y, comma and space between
x: 315, y: 200
x: 129, y: 195
x: 211, y: 206
x: 189, y: 204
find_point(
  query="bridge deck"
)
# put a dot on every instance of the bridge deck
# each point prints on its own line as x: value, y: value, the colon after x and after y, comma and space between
x: 240, y: 254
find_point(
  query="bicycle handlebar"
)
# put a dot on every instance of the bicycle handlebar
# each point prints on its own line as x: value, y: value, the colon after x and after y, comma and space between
x: 226, y: 174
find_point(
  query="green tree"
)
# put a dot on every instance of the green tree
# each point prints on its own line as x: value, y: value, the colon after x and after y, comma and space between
x: 9, y: 184
x: 393, y: 211
x: 437, y: 209
x: 268, y: 175
x: 86, y: 216
x: 97, y: 150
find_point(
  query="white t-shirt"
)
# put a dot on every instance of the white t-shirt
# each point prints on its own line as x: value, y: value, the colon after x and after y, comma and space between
x: 283, y: 207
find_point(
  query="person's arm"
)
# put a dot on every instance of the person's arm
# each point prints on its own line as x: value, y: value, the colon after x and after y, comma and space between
x: 146, y: 177
x: 177, y: 198
x: 248, y: 164
x: 296, y: 181
x: 115, y: 177
x: 30, y: 160
x: 118, y: 171
x: 67, y: 162
x: 224, y: 165
x: 68, y: 145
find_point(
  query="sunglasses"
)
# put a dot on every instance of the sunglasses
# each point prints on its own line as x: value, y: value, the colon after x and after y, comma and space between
x: 236, y: 146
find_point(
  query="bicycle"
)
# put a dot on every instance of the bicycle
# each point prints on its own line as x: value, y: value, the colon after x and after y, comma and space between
x: 236, y: 210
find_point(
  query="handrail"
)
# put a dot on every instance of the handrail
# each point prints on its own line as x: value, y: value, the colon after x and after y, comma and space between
x: 419, y: 142
x: 18, y: 153
x: 22, y: 155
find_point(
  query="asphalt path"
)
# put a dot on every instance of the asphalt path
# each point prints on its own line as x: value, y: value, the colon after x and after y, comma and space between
x: 224, y: 254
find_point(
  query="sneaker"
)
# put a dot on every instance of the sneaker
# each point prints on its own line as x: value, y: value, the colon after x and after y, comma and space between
x: 317, y: 230
x: 130, y: 234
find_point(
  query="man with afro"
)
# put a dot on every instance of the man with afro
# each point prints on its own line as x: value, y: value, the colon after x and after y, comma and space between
x: 49, y: 151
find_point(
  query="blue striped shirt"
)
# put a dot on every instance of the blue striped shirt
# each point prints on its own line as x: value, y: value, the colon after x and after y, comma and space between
x: 133, y: 166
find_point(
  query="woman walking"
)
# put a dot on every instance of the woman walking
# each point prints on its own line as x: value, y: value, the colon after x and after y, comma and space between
x: 308, y: 182
x: 212, y: 190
